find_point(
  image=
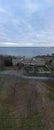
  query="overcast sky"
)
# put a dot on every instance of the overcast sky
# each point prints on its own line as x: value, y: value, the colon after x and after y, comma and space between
x: 26, y: 22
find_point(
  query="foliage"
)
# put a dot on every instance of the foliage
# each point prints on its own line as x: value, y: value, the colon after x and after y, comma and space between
x: 20, y: 65
x: 8, y: 61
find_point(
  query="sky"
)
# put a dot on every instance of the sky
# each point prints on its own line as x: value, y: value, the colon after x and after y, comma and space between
x: 27, y: 23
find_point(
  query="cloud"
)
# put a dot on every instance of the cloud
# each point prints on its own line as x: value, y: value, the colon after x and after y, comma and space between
x: 38, y: 44
x: 30, y: 7
x: 14, y: 44
x: 2, y: 10
x: 27, y: 22
x: 50, y: 2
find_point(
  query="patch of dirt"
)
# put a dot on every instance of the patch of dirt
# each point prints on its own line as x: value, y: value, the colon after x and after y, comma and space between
x: 29, y: 97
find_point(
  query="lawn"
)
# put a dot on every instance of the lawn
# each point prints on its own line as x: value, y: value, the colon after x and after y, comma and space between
x: 43, y: 68
x: 26, y: 105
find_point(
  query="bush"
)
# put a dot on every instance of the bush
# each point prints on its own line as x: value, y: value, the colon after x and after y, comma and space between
x: 36, y: 68
x: 20, y: 65
x: 8, y: 61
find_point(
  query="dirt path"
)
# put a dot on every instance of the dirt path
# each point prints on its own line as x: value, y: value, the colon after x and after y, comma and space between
x: 43, y: 104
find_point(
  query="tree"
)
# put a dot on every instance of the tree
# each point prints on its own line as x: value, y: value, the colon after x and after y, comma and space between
x: 8, y: 61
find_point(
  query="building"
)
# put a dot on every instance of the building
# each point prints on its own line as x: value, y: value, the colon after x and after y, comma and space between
x: 39, y: 61
x: 17, y: 60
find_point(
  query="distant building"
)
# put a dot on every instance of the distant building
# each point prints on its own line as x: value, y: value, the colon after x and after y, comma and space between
x: 39, y: 61
x: 29, y: 61
x: 15, y: 61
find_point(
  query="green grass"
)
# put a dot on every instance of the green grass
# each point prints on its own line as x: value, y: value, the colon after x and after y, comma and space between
x: 51, y: 68
x: 43, y: 67
x: 32, y: 122
x: 50, y: 87
x: 51, y: 96
x: 39, y: 74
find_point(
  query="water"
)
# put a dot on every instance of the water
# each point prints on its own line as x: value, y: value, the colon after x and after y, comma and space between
x: 26, y: 51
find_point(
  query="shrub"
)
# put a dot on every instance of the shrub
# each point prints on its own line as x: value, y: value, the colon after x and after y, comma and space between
x: 8, y: 61
x: 20, y: 65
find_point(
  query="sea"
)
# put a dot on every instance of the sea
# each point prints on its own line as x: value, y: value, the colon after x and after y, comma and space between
x: 26, y: 51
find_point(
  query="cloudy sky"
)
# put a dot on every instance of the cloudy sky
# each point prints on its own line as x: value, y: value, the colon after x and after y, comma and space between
x: 26, y: 22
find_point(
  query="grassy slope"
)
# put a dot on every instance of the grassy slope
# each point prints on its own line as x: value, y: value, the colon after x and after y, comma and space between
x: 25, y: 105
